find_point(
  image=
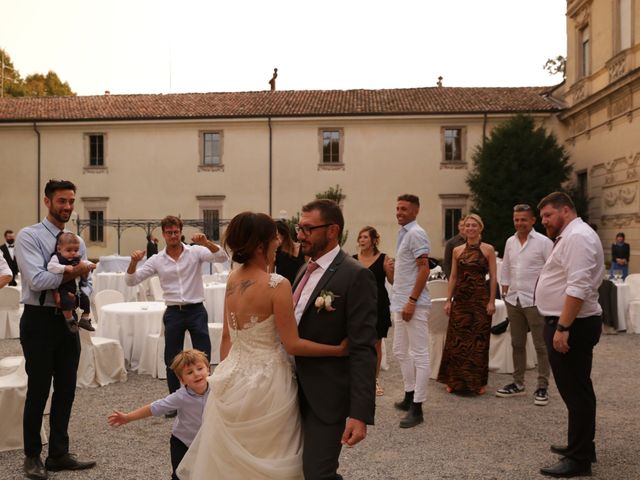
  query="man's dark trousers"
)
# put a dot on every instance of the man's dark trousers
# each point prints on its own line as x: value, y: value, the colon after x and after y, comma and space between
x: 178, y: 320
x: 51, y: 352
x: 572, y: 373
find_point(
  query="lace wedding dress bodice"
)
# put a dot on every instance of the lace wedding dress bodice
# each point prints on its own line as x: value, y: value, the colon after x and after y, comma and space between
x: 256, y: 348
x: 251, y: 423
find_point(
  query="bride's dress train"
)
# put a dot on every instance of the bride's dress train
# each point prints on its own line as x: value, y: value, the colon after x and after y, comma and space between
x: 251, y: 423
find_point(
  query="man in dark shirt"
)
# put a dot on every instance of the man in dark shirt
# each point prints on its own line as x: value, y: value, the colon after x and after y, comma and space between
x: 452, y: 243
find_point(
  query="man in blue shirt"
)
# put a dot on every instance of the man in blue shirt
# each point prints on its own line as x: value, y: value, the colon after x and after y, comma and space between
x: 410, y: 305
x: 51, y: 350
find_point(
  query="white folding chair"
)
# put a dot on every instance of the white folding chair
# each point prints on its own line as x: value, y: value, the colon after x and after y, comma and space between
x: 156, y: 289
x: 101, y: 361
x: 215, y: 335
x: 438, y: 288
x: 106, y: 297
x: 13, y: 391
x: 10, y: 312
x: 152, y: 356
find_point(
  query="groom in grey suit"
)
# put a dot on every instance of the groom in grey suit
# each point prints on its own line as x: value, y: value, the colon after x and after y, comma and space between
x: 337, y: 394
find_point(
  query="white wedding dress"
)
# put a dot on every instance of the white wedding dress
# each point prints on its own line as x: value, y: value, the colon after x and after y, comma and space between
x: 251, y: 423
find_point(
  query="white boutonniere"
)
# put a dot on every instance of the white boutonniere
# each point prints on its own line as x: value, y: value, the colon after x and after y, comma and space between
x: 325, y: 300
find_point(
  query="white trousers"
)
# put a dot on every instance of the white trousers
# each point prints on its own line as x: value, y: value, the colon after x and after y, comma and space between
x: 411, y: 348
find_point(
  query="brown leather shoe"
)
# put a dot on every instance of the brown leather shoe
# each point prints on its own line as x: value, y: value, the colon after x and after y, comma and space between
x: 67, y: 462
x: 34, y: 469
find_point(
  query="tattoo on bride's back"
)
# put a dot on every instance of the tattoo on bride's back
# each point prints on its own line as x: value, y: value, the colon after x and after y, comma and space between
x: 242, y: 287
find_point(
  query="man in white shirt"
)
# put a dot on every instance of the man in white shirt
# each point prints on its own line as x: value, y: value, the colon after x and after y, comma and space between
x: 8, y: 252
x: 525, y: 254
x: 5, y: 273
x: 410, y: 306
x: 567, y: 296
x: 179, y: 268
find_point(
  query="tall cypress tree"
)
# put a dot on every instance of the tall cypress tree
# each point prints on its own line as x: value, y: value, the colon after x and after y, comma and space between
x: 518, y: 163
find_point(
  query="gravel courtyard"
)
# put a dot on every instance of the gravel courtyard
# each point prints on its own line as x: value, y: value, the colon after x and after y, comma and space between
x: 462, y: 437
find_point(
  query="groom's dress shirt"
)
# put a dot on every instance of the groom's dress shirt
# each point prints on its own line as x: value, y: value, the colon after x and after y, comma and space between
x: 181, y: 280
x: 323, y: 263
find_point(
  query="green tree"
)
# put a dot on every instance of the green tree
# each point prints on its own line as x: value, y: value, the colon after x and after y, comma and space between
x: 335, y: 194
x: 518, y: 163
x: 35, y: 85
x: 556, y: 65
x: 10, y: 81
x: 50, y: 85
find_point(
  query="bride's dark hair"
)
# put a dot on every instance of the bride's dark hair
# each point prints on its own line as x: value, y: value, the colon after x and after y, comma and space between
x: 246, y: 232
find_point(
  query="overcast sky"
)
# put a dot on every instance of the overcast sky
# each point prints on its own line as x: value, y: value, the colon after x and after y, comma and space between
x: 162, y: 46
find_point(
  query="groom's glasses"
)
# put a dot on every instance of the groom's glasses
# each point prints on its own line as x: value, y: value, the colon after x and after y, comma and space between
x: 307, y: 229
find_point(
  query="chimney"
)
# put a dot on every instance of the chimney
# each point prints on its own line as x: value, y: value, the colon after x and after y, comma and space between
x: 107, y: 92
x: 439, y: 81
x: 272, y: 82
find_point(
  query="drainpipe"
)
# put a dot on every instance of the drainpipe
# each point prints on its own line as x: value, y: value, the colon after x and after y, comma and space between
x: 270, y: 167
x: 35, y: 129
x: 484, y: 129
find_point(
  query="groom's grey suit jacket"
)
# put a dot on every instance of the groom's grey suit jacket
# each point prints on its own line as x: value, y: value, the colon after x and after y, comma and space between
x: 340, y: 387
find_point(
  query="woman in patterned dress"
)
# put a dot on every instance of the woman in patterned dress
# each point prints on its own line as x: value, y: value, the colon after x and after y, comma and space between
x: 470, y: 306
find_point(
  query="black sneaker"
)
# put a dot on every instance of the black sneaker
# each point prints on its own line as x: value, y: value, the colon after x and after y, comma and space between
x: 540, y: 397
x: 86, y: 324
x: 511, y: 390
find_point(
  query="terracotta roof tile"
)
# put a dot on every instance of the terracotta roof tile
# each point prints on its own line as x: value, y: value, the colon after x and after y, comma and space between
x: 409, y: 101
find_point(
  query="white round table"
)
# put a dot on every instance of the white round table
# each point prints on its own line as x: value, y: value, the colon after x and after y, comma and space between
x: 214, y: 301
x: 113, y: 263
x: 623, y: 294
x: 130, y: 323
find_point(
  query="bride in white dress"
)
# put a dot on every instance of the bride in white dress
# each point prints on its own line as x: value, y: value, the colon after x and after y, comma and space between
x: 251, y: 423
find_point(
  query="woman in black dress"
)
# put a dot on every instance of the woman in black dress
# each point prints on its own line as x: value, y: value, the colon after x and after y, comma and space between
x: 289, y: 256
x: 382, y: 268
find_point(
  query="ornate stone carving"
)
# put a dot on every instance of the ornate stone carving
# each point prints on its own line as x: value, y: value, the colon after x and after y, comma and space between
x: 620, y: 199
x: 617, y: 66
x: 609, y: 178
x: 619, y: 221
x: 632, y: 173
x: 579, y: 92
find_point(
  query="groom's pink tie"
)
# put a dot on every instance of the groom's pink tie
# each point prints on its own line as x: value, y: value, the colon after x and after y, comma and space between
x: 311, y: 267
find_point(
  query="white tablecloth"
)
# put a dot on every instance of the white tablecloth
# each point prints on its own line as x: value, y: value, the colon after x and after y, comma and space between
x: 113, y: 263
x: 623, y: 295
x: 115, y: 281
x: 130, y: 323
x: 214, y: 301
x: 500, y: 350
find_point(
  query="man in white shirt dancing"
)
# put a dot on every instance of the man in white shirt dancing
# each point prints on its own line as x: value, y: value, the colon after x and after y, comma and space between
x: 525, y: 253
x: 179, y: 268
x: 567, y: 296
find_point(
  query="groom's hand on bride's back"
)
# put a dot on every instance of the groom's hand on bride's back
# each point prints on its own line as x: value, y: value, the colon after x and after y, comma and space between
x: 344, y: 348
x: 354, y: 432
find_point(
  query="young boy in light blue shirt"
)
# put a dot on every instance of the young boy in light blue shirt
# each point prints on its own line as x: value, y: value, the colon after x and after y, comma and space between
x: 192, y: 368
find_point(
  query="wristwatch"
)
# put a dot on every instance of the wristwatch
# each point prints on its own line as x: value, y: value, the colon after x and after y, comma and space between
x: 562, y: 328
